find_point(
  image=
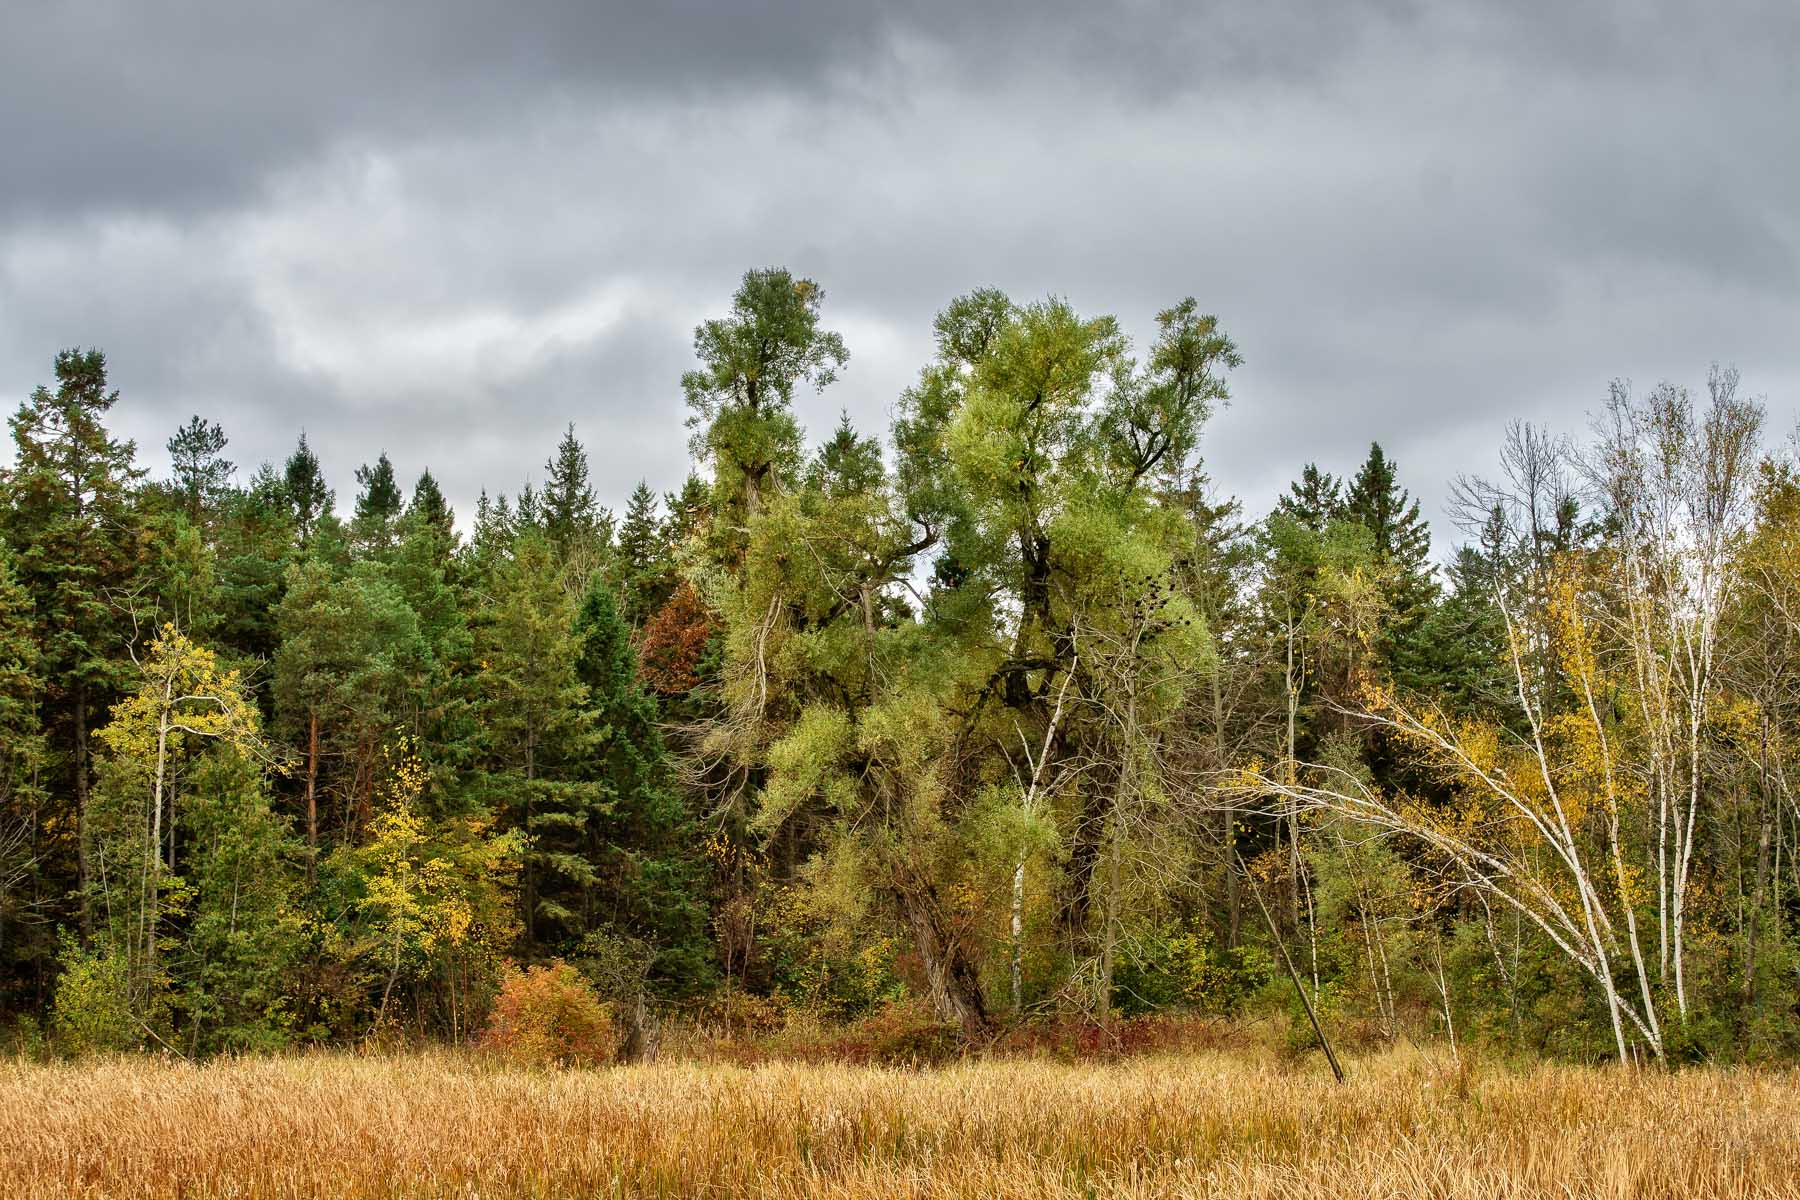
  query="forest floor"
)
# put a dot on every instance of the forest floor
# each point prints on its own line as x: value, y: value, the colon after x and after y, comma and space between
x: 1407, y: 1124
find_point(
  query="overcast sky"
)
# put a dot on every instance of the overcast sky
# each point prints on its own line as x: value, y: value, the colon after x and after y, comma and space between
x: 447, y: 229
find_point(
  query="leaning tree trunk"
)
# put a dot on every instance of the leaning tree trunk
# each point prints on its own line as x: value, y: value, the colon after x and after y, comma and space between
x: 955, y: 984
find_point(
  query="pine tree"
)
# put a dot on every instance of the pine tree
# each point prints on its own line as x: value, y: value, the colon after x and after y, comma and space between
x: 378, y: 508
x: 201, y: 472
x: 308, y: 498
x: 79, y: 545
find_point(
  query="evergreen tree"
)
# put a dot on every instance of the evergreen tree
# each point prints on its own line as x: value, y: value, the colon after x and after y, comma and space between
x: 847, y: 464
x: 308, y: 498
x: 26, y: 942
x: 429, y: 508
x: 534, y: 726
x: 646, y: 876
x: 1314, y: 500
x: 78, y: 543
x: 201, y: 472
x: 568, y: 509
x: 689, y: 510
x: 232, y: 969
x: 1402, y: 539
x: 646, y: 569
x: 378, y: 508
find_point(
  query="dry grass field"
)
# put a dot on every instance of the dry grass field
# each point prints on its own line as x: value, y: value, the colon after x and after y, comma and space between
x: 1407, y: 1125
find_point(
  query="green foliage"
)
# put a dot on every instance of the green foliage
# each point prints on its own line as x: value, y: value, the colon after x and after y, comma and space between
x: 997, y: 705
x: 92, y: 1010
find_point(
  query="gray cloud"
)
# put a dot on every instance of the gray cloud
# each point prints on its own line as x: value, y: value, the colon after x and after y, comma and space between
x: 446, y: 230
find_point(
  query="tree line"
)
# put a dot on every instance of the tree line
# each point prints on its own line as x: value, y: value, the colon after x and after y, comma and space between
x: 1007, y: 711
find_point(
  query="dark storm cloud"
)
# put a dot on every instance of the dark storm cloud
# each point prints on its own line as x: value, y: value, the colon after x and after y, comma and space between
x: 448, y: 229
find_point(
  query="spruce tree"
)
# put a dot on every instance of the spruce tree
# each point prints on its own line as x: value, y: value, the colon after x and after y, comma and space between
x: 1314, y: 500
x: 1376, y: 501
x: 308, y: 497
x: 646, y: 569
x: 568, y: 508
x: 429, y: 508
x: 646, y: 874
x: 378, y: 508
x: 534, y: 726
x: 27, y: 946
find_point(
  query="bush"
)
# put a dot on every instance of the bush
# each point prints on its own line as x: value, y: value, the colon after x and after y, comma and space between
x: 550, y: 1016
x: 92, y: 1009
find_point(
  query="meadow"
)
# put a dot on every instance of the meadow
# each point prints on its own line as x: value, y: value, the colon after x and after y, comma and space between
x: 1408, y: 1123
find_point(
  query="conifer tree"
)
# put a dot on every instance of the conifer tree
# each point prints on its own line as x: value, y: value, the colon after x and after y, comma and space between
x: 1314, y: 500
x: 646, y: 883
x: 78, y: 544
x: 378, y: 508
x: 646, y: 568
x: 1402, y: 539
x: 197, y: 459
x: 568, y: 508
x: 534, y: 726
x: 429, y: 508
x: 25, y: 945
x: 308, y: 497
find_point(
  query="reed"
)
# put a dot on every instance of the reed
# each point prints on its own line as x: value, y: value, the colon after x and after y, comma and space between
x: 1408, y: 1124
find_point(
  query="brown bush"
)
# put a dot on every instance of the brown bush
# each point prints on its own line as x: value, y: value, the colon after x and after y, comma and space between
x: 550, y: 1016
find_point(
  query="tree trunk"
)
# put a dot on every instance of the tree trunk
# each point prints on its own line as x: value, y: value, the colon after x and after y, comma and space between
x: 312, y: 798
x: 955, y: 985
x: 1018, y: 937
x: 81, y: 807
x: 1764, y: 833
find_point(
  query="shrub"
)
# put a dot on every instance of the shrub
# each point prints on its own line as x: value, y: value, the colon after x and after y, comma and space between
x: 550, y: 1016
x: 92, y: 1009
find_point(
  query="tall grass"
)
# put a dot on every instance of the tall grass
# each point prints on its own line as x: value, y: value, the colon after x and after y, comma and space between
x: 1407, y: 1125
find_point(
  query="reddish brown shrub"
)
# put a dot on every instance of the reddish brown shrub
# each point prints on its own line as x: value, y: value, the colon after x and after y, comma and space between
x: 550, y: 1016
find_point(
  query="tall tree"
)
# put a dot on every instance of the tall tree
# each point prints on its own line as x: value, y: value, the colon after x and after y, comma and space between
x: 1314, y: 500
x: 79, y: 552
x: 201, y: 471
x: 308, y: 497
x: 429, y: 507
x: 570, y: 512
x: 740, y: 396
x: 379, y: 504
x: 25, y: 894
x: 1402, y: 539
x: 534, y: 728
x: 646, y: 566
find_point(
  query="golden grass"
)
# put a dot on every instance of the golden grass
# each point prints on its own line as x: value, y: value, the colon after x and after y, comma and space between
x: 1204, y: 1126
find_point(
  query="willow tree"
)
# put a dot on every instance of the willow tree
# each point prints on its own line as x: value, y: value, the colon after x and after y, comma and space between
x: 1038, y: 461
x: 740, y: 394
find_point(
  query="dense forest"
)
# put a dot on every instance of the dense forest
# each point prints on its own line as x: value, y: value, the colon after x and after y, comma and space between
x: 1005, y: 711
